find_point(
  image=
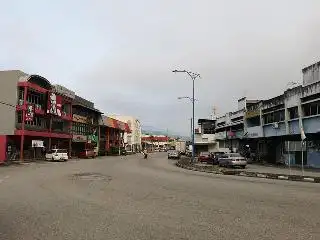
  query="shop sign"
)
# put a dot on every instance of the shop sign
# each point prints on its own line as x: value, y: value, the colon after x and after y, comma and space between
x: 254, y: 132
x: 93, y: 138
x: 221, y: 135
x: 30, y: 113
x: 60, y: 90
x: 251, y: 114
x: 80, y: 119
x: 79, y: 138
x: 54, y: 104
x: 37, y: 143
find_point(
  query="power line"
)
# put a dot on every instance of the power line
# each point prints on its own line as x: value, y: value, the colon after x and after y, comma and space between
x: 7, y: 104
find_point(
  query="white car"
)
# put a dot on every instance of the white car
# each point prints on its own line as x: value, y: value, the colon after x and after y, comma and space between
x: 232, y: 160
x: 57, y: 155
x: 173, y: 154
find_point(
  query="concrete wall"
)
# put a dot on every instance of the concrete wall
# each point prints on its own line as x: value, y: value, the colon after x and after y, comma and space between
x: 8, y: 100
x: 311, y: 74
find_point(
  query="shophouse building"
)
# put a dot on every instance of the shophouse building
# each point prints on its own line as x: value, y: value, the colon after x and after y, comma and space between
x: 35, y: 115
x: 274, y: 128
x: 85, y: 127
x: 132, y: 140
x: 112, y: 133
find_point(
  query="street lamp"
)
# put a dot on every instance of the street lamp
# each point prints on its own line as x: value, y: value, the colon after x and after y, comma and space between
x: 193, y: 76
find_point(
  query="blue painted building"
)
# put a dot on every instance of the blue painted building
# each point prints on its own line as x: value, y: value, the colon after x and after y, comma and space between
x: 272, y: 127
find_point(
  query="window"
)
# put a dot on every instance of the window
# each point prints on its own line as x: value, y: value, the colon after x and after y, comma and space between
x: 293, y: 113
x: 311, y: 109
x: 274, y: 117
x: 19, y: 117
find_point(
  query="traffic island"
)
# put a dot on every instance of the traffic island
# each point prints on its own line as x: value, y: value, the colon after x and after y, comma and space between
x: 186, y: 164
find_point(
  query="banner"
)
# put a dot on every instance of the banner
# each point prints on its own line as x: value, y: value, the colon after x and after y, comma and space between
x: 54, y: 104
x: 30, y: 113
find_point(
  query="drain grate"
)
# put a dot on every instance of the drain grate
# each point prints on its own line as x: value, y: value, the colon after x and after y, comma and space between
x: 92, y: 176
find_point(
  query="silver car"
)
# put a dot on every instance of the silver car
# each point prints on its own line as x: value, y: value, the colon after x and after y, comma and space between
x: 232, y: 160
x: 173, y: 154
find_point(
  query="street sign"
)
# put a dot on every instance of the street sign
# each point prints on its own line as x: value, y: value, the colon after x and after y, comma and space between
x: 37, y: 144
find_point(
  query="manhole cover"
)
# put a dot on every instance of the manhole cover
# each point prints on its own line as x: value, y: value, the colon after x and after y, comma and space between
x: 92, y: 176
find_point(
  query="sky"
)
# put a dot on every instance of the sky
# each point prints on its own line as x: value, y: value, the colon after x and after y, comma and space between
x: 120, y: 54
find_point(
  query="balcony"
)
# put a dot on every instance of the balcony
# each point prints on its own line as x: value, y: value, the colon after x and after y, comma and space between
x: 32, y: 127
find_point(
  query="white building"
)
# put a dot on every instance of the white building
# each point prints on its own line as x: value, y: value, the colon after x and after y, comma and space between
x: 132, y: 140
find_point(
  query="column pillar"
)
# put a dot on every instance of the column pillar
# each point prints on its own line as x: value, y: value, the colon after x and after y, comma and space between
x: 23, y: 121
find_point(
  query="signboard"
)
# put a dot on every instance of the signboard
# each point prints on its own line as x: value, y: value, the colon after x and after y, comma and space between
x: 254, y: 132
x: 251, y: 114
x: 220, y: 135
x: 54, y: 104
x: 37, y: 143
x: 79, y: 138
x: 60, y: 90
x: 80, y: 119
x: 30, y: 112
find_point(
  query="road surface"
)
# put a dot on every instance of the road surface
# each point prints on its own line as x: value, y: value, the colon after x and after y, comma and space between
x: 132, y: 198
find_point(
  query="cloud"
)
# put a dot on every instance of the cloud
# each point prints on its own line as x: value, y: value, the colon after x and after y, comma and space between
x: 120, y: 54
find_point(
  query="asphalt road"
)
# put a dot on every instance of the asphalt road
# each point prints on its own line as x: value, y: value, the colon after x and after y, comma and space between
x: 132, y: 198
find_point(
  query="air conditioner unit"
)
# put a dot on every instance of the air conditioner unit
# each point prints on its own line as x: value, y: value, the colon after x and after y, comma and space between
x: 275, y: 125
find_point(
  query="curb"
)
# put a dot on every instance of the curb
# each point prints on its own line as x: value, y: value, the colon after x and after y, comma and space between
x: 296, y: 178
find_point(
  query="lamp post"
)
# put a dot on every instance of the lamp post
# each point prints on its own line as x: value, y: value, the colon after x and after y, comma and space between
x: 193, y: 76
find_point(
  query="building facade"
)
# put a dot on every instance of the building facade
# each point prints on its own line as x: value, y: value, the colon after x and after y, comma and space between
x: 155, y: 142
x: 132, y: 140
x: 273, y: 128
x: 35, y: 115
x: 85, y: 127
x: 205, y: 138
x: 112, y: 133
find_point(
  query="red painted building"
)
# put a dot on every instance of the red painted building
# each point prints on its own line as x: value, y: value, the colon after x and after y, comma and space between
x: 111, y: 134
x: 35, y: 113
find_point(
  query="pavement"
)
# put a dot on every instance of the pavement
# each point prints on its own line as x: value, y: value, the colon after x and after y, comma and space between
x: 133, y: 198
x: 276, y: 170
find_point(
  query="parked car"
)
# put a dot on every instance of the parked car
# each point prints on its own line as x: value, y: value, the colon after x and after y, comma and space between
x: 232, y: 160
x: 214, y: 157
x: 173, y: 154
x: 57, y: 155
x: 87, y: 153
x: 204, y: 157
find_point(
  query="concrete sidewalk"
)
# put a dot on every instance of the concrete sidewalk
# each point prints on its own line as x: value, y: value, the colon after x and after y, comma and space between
x: 281, y: 170
x: 274, y: 170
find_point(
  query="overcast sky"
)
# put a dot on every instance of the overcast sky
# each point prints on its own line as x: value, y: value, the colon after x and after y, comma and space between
x: 119, y: 54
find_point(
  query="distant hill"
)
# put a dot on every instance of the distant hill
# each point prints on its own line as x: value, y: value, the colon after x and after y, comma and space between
x: 150, y: 130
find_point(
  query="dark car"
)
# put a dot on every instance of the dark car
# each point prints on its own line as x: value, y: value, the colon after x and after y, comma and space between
x: 204, y: 157
x: 214, y: 157
x: 87, y: 153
